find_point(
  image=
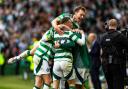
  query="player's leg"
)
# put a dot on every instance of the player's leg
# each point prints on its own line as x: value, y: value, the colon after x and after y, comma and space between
x: 56, y: 84
x: 78, y: 83
x: 28, y: 52
x: 81, y: 76
x: 23, y: 54
x: 62, y: 84
x: 46, y: 75
x: 19, y: 57
x: 38, y: 82
x: 71, y: 80
x: 68, y: 73
x: 47, y: 81
x: 57, y: 74
x: 38, y: 72
x: 72, y: 84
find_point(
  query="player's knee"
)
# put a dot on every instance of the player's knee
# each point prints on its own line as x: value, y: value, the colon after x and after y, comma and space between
x: 47, y: 80
x: 71, y: 82
x: 38, y: 84
x: 38, y: 81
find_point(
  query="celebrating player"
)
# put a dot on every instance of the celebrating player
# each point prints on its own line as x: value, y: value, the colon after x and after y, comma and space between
x: 42, y: 53
x: 80, y: 53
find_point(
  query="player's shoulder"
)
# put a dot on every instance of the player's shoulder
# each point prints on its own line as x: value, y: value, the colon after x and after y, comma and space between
x: 51, y: 28
x: 66, y: 14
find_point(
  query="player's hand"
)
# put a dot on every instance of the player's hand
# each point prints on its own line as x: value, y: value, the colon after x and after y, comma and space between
x: 59, y: 31
x: 81, y: 32
x: 56, y: 45
x: 76, y: 30
x: 12, y: 60
x: 66, y: 27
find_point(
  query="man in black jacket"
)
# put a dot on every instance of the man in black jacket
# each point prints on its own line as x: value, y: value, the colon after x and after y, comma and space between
x: 112, y: 44
x: 125, y: 33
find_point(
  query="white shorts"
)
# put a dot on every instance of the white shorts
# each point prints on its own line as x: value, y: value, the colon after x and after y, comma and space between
x: 40, y: 66
x: 84, y: 73
x: 63, y: 69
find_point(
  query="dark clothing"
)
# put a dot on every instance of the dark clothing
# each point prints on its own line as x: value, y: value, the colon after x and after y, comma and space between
x: 96, y: 63
x: 114, y: 72
x: 114, y: 76
x: 120, y: 42
x: 125, y: 52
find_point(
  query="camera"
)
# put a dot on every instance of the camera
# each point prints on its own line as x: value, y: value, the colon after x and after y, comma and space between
x: 125, y: 31
x: 106, y: 26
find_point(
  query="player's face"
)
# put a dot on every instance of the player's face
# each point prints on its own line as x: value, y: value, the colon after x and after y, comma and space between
x: 79, y: 15
x: 69, y: 24
x: 91, y: 37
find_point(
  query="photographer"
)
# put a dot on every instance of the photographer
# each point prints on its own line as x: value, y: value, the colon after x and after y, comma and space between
x: 112, y: 58
x: 125, y: 52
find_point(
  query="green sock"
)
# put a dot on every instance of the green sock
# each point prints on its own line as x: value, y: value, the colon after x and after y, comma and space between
x: 72, y: 87
x: 86, y: 84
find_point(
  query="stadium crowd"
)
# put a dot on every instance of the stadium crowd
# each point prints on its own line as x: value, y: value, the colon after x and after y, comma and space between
x: 21, y: 19
x: 23, y: 22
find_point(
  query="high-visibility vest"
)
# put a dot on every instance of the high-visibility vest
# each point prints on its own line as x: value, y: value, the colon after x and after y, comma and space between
x: 2, y: 59
x: 30, y: 58
x: 1, y: 1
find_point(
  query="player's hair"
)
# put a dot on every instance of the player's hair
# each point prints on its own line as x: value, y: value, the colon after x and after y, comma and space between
x: 80, y: 7
x: 64, y: 20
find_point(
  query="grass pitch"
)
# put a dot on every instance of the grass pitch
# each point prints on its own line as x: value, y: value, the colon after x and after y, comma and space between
x: 15, y: 82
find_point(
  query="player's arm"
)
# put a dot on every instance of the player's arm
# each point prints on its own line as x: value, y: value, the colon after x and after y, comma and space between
x: 65, y: 27
x: 80, y: 41
x: 24, y: 54
x: 55, y: 23
x: 48, y: 35
x: 57, y: 20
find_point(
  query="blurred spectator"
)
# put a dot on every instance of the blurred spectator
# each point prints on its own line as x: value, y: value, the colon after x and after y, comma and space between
x: 22, y: 20
x: 94, y: 50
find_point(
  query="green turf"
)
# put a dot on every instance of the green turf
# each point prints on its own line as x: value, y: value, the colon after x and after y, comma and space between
x: 15, y: 82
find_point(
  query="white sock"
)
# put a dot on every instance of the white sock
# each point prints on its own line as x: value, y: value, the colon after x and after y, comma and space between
x: 46, y: 86
x: 62, y: 84
x: 35, y: 87
x: 22, y: 55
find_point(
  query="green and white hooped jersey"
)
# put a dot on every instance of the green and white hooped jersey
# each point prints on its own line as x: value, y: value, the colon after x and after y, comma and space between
x: 80, y: 54
x: 62, y: 53
x: 45, y: 49
x: 75, y: 24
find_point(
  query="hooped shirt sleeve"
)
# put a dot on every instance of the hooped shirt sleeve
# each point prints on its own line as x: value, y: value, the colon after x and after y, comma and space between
x: 48, y: 35
x: 60, y: 17
x: 75, y: 38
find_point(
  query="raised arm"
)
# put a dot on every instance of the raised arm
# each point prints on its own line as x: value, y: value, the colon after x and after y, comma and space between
x: 57, y: 20
x: 55, y: 23
x: 80, y: 41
